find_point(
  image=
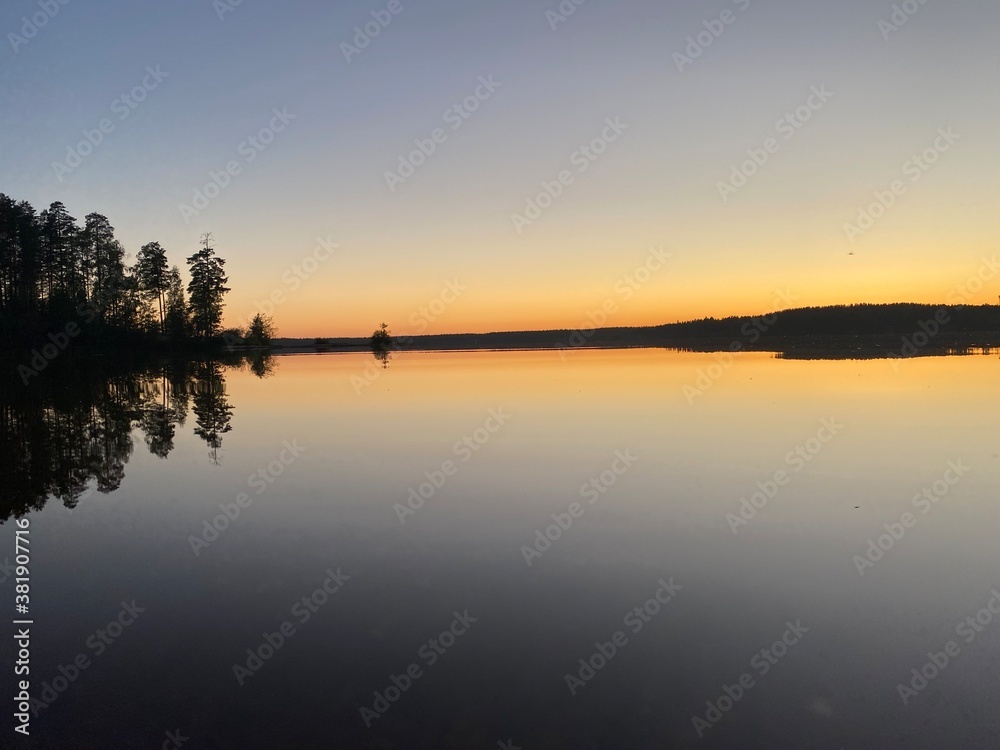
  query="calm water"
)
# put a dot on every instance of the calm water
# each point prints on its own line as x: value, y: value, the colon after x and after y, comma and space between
x: 438, y: 626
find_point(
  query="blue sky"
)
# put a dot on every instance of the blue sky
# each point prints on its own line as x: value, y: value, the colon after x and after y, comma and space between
x: 324, y: 174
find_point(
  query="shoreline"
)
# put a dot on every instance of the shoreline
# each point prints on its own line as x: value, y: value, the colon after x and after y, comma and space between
x: 805, y: 347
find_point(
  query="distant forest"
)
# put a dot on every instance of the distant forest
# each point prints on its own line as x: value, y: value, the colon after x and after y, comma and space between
x: 62, y: 282
x: 899, y: 319
x: 900, y: 329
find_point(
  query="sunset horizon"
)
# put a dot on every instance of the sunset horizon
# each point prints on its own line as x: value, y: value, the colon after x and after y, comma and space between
x: 521, y: 375
x: 536, y: 181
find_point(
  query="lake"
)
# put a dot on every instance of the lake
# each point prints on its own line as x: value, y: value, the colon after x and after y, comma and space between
x: 581, y: 549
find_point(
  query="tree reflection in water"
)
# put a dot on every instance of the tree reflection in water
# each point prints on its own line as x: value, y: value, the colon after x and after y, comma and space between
x: 72, y: 425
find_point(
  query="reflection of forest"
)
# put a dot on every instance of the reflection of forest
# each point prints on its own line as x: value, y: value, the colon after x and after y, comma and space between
x: 73, y: 423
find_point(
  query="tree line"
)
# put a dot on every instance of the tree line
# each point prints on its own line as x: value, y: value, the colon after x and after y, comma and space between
x: 887, y: 320
x: 54, y: 271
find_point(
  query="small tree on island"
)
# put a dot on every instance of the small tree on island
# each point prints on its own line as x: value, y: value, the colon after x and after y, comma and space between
x: 261, y: 331
x: 381, y: 339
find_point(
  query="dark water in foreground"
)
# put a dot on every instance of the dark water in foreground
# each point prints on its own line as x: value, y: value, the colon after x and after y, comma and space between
x: 796, y: 630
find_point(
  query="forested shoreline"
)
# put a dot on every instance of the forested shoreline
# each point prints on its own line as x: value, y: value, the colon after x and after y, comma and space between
x: 64, y: 283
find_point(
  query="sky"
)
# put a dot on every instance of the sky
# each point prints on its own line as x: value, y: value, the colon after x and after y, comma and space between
x: 448, y: 166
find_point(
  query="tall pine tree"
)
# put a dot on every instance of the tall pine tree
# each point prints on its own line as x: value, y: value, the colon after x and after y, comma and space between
x: 151, y: 274
x: 206, y: 289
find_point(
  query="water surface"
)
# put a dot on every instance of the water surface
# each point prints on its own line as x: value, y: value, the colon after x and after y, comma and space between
x: 326, y: 451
